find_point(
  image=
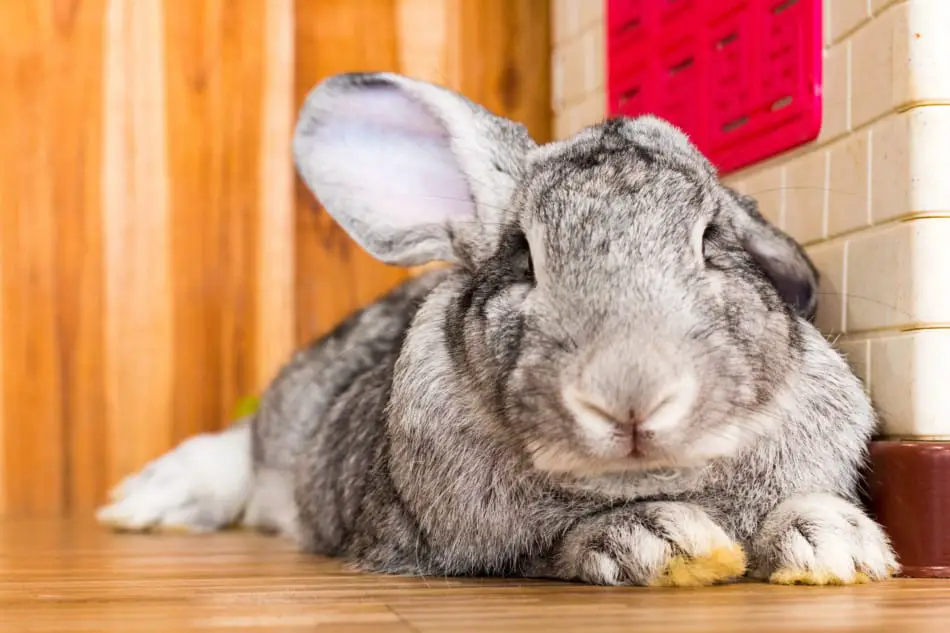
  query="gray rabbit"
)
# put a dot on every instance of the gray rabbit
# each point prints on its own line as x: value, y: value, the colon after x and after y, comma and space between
x: 616, y: 381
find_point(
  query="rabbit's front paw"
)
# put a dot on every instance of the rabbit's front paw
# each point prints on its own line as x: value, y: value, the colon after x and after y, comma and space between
x: 821, y: 539
x: 658, y: 543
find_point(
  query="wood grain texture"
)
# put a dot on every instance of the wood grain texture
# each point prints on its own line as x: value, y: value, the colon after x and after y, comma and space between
x: 499, y: 57
x: 50, y: 58
x: 276, y: 316
x: 214, y: 71
x: 158, y: 258
x: 135, y: 208
x: 80, y: 252
x: 66, y: 577
x: 422, y: 27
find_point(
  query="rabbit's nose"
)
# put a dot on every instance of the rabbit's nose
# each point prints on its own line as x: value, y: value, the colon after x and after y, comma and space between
x: 606, y: 427
x: 624, y: 418
x: 635, y: 417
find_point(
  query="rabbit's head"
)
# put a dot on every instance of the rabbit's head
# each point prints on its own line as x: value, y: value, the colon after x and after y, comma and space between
x: 621, y: 308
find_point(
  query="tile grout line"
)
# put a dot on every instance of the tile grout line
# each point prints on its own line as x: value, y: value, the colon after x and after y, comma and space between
x: 844, y: 288
x: 826, y: 196
x: 869, y: 181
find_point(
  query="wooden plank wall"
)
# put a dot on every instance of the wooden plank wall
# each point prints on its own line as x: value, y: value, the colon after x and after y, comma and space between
x: 158, y: 258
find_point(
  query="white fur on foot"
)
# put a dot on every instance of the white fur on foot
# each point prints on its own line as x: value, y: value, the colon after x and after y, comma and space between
x: 200, y: 486
x: 822, y: 539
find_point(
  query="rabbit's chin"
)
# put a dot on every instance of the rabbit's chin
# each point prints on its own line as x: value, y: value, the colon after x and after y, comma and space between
x: 559, y: 462
x: 556, y: 460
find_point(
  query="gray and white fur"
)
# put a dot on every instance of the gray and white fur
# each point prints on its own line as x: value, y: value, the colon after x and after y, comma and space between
x: 615, y: 381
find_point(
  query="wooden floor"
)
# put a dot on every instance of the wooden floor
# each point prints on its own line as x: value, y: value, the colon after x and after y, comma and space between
x: 57, y: 576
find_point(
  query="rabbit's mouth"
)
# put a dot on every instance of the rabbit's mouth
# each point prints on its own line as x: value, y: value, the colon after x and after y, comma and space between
x: 622, y: 457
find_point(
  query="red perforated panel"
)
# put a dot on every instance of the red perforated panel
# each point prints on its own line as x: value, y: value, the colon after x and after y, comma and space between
x: 741, y: 77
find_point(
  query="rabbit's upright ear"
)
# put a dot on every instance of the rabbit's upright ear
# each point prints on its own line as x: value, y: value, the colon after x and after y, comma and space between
x: 412, y: 171
x: 780, y: 257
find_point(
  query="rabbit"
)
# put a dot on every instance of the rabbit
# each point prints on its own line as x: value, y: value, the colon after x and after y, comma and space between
x: 614, y: 380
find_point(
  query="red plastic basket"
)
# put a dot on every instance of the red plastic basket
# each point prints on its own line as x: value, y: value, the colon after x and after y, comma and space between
x: 741, y: 77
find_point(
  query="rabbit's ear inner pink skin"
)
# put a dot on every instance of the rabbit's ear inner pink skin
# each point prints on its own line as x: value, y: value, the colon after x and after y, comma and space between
x: 412, y: 172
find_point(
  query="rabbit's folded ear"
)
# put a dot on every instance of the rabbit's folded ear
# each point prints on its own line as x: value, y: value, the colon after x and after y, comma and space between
x: 781, y: 258
x: 412, y: 171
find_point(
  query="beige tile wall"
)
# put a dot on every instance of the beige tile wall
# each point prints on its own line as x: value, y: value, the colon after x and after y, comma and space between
x: 870, y: 198
x: 579, y: 92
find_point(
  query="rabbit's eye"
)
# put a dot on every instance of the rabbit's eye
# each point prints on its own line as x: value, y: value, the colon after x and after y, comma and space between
x: 521, y: 262
x: 711, y: 235
x: 712, y: 244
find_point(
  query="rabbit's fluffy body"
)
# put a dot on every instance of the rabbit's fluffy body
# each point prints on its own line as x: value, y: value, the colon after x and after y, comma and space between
x: 616, y: 381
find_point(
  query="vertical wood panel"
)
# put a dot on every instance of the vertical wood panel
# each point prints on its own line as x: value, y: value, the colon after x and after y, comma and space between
x: 135, y: 176
x: 79, y: 256
x: 49, y: 121
x: 5, y: 203
x: 275, y: 264
x: 422, y: 38
x: 26, y: 242
x: 500, y: 52
x: 214, y: 53
x: 334, y: 276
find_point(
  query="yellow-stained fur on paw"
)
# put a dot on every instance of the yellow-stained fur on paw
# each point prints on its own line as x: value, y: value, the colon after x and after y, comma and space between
x: 808, y: 577
x: 722, y: 564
